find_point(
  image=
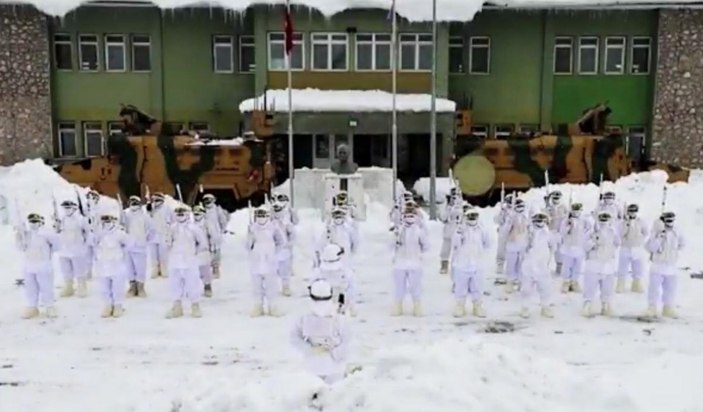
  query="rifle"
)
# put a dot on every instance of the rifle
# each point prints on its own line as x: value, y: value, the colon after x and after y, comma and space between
x: 178, y: 191
x: 80, y: 201
x: 123, y: 220
x: 502, y: 193
x: 666, y: 187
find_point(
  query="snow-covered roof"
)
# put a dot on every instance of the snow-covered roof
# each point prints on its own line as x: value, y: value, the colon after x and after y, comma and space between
x: 413, y: 10
x: 314, y: 100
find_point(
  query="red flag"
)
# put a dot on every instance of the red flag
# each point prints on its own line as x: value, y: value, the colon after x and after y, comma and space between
x: 288, y: 28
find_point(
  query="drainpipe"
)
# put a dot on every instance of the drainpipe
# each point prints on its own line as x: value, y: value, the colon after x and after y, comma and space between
x: 161, y: 59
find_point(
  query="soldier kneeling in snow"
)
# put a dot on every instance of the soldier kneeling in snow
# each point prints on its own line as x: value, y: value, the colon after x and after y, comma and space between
x: 184, y: 242
x: 664, y: 246
x: 111, y: 244
x: 38, y: 244
x: 334, y: 270
x: 322, y: 336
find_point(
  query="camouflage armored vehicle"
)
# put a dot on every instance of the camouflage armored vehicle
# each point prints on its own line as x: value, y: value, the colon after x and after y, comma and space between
x: 580, y: 153
x: 148, y: 158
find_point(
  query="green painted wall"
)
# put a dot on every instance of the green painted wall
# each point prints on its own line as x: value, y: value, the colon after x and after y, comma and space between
x: 630, y: 95
x: 522, y: 88
x: 181, y: 86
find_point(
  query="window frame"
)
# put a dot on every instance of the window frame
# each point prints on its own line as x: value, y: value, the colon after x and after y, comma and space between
x: 329, y: 42
x: 528, y: 128
x: 216, y: 45
x: 649, y: 54
x: 581, y: 47
x: 463, y: 56
x: 133, y: 44
x: 373, y: 43
x: 417, y: 43
x: 96, y: 44
x: 241, y: 45
x: 503, y: 134
x: 111, y: 128
x: 62, y: 42
x: 471, y: 54
x: 123, y: 45
x: 482, y: 134
x: 296, y: 43
x: 60, y: 128
x: 86, y: 128
x: 571, y: 55
x: 623, y: 49
x: 192, y: 126
x: 630, y: 132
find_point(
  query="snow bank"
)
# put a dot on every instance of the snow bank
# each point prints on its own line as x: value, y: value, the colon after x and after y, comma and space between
x: 449, y: 375
x: 315, y: 100
x: 422, y: 188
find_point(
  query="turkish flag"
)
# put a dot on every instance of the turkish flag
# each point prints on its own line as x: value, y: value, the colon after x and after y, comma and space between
x: 288, y: 28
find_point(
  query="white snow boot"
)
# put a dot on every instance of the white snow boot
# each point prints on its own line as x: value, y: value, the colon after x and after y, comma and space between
x: 67, y: 290
x: 510, y: 286
x: 586, y: 311
x: 82, y: 289
x: 30, y: 313
x: 51, y: 312
x: 155, y: 271
x: 547, y: 312
x: 477, y: 310
x: 607, y: 310
x: 525, y: 312
x: 274, y: 311
x: 459, y: 309
x: 117, y: 311
x: 141, y: 292
x: 162, y: 271
x: 286, y: 290
x: 637, y: 286
x: 132, y: 291
x: 651, y: 312
x: 176, y: 310
x: 397, y: 309
x: 444, y: 269
x: 107, y: 311
x: 565, y: 286
x: 207, y: 290
x: 575, y: 286
x: 215, y: 271
x: 257, y: 310
x: 669, y: 312
x: 620, y: 287
x: 195, y: 310
x: 417, y: 308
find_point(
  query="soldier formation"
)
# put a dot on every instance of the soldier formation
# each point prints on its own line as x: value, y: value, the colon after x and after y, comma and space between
x: 601, y: 250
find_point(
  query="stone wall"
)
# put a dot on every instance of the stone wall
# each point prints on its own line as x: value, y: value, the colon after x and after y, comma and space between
x: 678, y: 102
x: 25, y: 100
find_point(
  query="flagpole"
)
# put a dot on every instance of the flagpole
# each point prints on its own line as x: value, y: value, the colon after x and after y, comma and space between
x: 394, y: 127
x: 291, y: 167
x: 433, y: 118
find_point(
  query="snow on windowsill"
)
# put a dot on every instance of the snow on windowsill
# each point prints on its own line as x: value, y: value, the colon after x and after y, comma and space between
x: 314, y: 100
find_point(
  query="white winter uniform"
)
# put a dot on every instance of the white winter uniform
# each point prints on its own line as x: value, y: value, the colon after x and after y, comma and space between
x: 501, y: 219
x: 341, y: 277
x: 664, y: 247
x: 161, y: 220
x: 451, y: 217
x: 535, y: 266
x: 601, y: 262
x: 111, y: 252
x: 469, y: 246
x: 184, y: 241
x: 515, y: 232
x: 574, y: 234
x: 284, y: 253
x: 205, y: 255
x: 557, y: 216
x: 38, y: 246
x: 74, y: 235
x: 262, y: 243
x: 217, y: 219
x: 324, y: 342
x: 344, y: 235
x: 614, y: 209
x: 633, y: 255
x: 411, y: 242
x: 138, y: 226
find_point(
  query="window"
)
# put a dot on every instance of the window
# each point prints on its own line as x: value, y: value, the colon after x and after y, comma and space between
x: 563, y: 55
x: 588, y: 55
x: 614, y: 55
x: 141, y: 53
x: 114, y: 128
x: 68, y: 146
x: 115, y: 53
x: 88, y: 52
x: 277, y: 52
x: 199, y: 126
x: 480, y: 56
x: 636, y: 141
x: 329, y: 51
x: 416, y: 52
x: 222, y: 48
x: 456, y: 55
x: 63, y: 52
x: 480, y: 130
x: 93, y: 142
x: 373, y: 52
x: 528, y: 129
x: 640, y: 58
x: 503, y: 131
x: 247, y: 54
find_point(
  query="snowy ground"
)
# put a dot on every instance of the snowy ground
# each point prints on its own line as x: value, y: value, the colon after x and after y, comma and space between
x: 229, y: 362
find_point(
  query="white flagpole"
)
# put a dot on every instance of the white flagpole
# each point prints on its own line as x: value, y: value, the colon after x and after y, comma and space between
x: 291, y: 167
x: 394, y: 127
x: 433, y: 118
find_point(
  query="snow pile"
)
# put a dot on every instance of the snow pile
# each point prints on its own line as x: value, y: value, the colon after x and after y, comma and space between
x: 413, y: 10
x: 315, y: 100
x: 443, y: 186
x: 448, y: 375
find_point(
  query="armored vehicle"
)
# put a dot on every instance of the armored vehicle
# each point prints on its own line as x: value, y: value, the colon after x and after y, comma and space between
x: 148, y: 158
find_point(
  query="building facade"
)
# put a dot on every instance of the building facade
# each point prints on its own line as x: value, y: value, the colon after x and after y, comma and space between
x: 517, y: 70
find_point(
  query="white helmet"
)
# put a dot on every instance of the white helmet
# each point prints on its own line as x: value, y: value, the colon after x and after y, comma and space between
x: 331, y: 257
x: 320, y: 290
